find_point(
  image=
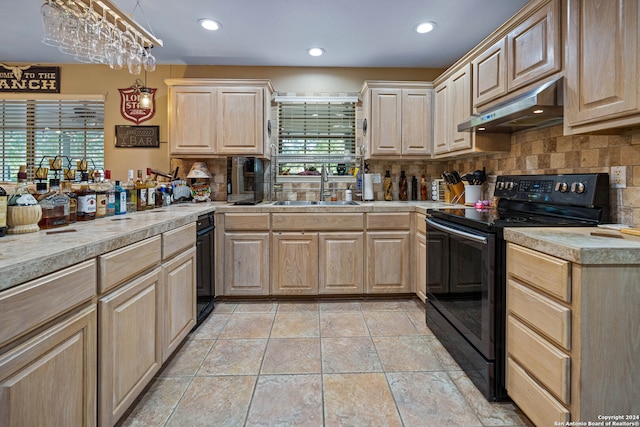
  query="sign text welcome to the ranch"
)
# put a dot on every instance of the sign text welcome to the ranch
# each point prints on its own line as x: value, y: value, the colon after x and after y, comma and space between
x: 29, y: 78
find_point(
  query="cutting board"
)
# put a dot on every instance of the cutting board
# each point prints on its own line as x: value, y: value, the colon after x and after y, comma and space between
x: 634, y: 231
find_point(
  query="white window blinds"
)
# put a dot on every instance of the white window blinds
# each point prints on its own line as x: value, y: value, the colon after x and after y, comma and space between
x: 32, y: 130
x: 315, y: 132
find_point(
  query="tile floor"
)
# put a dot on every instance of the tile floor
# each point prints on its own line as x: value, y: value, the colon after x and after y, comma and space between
x: 334, y: 363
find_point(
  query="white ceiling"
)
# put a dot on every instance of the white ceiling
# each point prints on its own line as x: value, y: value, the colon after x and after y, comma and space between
x: 354, y: 33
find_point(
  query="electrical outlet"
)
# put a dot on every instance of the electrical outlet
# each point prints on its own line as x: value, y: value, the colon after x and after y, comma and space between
x: 618, y: 177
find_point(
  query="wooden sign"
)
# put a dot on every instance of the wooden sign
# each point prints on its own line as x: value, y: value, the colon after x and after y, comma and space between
x: 14, y: 78
x: 137, y: 136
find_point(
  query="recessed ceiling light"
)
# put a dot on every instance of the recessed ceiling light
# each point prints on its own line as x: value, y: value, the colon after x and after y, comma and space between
x: 315, y: 51
x: 425, y: 27
x: 209, y: 24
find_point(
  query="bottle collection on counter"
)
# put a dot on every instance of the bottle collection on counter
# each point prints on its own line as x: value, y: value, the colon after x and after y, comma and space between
x: 58, y: 204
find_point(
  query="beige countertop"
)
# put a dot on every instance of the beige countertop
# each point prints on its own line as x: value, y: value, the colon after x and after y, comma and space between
x: 582, y: 245
x: 27, y: 256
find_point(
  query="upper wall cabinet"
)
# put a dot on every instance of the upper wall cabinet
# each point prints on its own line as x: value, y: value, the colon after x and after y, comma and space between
x: 218, y: 117
x: 398, y: 117
x: 453, y: 106
x: 191, y: 114
x: 527, y: 53
x: 602, y: 73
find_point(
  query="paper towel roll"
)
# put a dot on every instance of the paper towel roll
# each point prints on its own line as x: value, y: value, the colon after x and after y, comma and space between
x: 368, y: 187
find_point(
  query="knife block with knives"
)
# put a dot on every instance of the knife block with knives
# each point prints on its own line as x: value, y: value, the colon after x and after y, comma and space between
x: 454, y: 182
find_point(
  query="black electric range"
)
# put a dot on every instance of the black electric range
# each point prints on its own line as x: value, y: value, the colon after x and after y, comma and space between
x: 466, y: 263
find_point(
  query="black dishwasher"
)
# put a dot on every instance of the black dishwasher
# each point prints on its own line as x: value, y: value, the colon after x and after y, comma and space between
x: 205, y: 283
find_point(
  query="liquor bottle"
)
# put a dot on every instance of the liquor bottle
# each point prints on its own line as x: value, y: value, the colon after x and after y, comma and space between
x: 111, y: 193
x: 151, y: 190
x: 73, y: 201
x: 121, y: 199
x: 86, y: 200
x: 414, y: 188
x: 55, y: 206
x: 130, y: 188
x: 423, y: 188
x: 101, y: 196
x: 21, y: 195
x: 141, y: 193
x: 403, y: 186
x: 387, y: 185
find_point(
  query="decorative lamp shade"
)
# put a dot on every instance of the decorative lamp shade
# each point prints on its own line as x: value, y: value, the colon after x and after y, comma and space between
x: 199, y: 170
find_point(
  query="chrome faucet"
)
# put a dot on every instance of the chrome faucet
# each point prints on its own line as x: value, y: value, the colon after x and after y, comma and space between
x: 324, y: 177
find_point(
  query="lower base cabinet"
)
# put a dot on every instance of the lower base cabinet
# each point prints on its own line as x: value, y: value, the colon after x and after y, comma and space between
x: 388, y: 256
x: 340, y: 263
x: 130, y: 343
x: 246, y: 264
x: 50, y: 380
x: 295, y: 269
x: 180, y: 299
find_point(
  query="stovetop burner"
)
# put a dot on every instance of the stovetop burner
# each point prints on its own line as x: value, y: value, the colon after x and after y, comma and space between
x: 538, y: 201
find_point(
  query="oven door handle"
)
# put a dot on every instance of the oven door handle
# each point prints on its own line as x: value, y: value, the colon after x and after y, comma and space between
x: 459, y: 233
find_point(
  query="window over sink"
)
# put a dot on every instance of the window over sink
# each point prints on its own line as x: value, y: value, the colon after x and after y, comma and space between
x: 313, y: 132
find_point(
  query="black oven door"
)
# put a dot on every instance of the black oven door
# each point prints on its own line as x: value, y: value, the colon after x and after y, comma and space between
x: 461, y: 280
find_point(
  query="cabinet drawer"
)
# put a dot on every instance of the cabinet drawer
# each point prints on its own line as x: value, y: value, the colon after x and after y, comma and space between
x: 544, y: 314
x: 177, y: 240
x: 548, y: 273
x: 389, y: 221
x: 317, y: 222
x: 27, y: 306
x: 246, y: 221
x: 543, y: 360
x: 421, y: 224
x: 534, y: 401
x: 120, y: 265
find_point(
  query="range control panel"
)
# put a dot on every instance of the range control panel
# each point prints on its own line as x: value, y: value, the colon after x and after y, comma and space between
x: 571, y: 189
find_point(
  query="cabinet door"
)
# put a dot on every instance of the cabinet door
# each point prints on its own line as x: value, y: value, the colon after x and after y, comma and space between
x: 341, y: 263
x: 192, y: 120
x: 490, y: 74
x: 460, y: 108
x: 179, y: 299
x: 386, y: 119
x: 420, y: 266
x: 388, y: 255
x: 535, y: 47
x: 130, y: 343
x: 50, y: 380
x: 246, y: 264
x: 240, y: 121
x: 416, y: 121
x: 602, y: 48
x: 295, y: 264
x: 441, y: 119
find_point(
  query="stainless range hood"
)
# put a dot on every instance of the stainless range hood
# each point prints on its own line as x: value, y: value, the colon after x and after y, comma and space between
x: 537, y: 108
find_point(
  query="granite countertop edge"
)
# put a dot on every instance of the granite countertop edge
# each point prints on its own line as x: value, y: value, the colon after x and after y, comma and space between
x: 582, y: 245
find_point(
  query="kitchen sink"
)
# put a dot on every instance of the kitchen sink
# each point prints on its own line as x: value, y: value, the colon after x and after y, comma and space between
x: 314, y: 203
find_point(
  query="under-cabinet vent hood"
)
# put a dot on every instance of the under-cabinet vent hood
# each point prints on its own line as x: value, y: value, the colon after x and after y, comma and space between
x: 537, y: 108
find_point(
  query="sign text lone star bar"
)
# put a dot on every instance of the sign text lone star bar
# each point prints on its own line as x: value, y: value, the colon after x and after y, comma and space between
x: 130, y: 107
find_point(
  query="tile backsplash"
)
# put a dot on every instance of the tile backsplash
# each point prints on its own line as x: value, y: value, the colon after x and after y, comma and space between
x: 532, y: 152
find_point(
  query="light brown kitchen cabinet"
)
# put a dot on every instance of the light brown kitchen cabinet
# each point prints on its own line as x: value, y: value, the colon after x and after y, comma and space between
x: 570, y: 340
x: 241, y: 120
x: 50, y: 379
x: 602, y: 73
x: 295, y: 263
x: 242, y: 254
x: 389, y: 252
x: 130, y: 343
x: 420, y: 257
x: 341, y: 263
x: 180, y: 299
x: 398, y: 117
x: 192, y: 127
x: 529, y: 52
x: 453, y: 106
x: 219, y: 117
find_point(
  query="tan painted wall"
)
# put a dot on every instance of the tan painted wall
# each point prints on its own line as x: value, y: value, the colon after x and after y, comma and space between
x: 100, y: 79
